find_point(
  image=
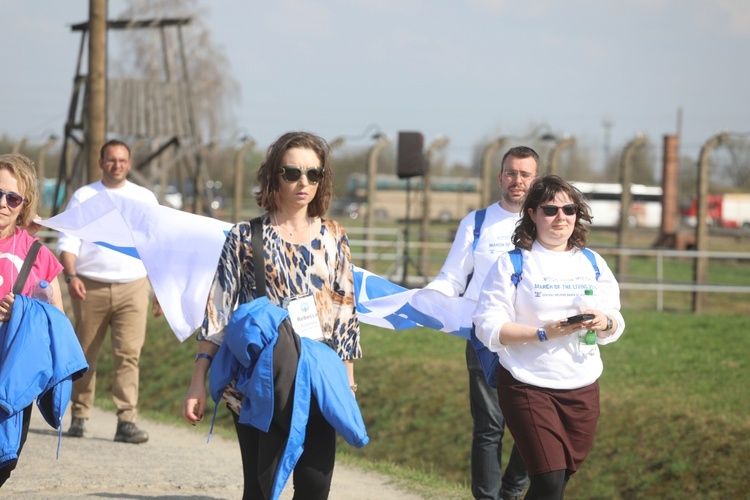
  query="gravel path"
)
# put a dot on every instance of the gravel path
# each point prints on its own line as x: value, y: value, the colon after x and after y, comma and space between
x: 168, y: 466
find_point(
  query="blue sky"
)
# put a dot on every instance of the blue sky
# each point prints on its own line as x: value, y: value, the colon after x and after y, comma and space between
x: 466, y: 69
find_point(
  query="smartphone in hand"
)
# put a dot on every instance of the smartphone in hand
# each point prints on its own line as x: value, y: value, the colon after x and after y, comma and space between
x: 578, y: 318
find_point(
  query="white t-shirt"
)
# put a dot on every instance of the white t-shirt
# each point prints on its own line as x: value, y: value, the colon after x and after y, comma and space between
x: 96, y: 262
x: 549, y: 284
x: 494, y: 240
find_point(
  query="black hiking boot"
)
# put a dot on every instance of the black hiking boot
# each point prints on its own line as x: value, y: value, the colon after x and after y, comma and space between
x: 128, y: 432
x: 77, y: 427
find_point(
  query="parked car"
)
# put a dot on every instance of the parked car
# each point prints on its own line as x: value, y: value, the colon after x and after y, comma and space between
x: 347, y: 208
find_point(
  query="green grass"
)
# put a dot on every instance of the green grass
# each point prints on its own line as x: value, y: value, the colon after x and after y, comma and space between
x: 674, y: 415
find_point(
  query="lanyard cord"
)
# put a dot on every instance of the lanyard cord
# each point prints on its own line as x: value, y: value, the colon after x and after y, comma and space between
x: 308, y: 246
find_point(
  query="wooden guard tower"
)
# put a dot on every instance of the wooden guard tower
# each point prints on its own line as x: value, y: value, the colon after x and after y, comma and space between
x: 154, y: 117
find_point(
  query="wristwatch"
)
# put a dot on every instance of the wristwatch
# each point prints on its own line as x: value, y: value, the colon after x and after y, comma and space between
x: 609, y: 324
x: 70, y: 277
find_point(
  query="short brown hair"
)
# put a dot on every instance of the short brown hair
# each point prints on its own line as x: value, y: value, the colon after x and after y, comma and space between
x: 268, y: 178
x: 543, y: 190
x: 521, y: 152
x: 22, y: 168
x: 112, y: 142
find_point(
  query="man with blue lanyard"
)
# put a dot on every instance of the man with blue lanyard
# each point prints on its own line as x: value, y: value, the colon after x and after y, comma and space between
x: 481, y: 237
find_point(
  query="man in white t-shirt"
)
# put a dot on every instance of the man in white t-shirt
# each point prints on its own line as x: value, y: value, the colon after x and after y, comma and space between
x: 462, y: 274
x: 108, y: 289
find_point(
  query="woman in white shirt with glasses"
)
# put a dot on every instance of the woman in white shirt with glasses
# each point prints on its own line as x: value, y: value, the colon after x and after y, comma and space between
x: 548, y: 371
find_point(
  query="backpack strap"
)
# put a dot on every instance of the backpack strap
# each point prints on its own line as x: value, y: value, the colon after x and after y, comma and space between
x: 28, y: 262
x: 256, y: 230
x: 590, y: 255
x: 516, y: 258
x: 478, y: 221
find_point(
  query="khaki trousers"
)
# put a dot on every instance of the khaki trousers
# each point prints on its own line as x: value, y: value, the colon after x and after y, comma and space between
x: 123, y: 308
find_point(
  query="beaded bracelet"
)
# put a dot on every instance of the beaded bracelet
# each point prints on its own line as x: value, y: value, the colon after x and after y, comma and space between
x: 204, y: 355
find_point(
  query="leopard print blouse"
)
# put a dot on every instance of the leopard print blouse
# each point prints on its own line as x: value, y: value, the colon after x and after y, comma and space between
x: 287, y: 272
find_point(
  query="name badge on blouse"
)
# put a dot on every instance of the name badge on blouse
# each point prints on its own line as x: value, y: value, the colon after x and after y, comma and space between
x: 304, y: 317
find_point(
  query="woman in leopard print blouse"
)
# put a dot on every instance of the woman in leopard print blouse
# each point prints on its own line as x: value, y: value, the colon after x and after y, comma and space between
x: 305, y: 255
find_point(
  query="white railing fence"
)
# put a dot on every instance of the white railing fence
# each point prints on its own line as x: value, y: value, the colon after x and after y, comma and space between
x: 387, y: 247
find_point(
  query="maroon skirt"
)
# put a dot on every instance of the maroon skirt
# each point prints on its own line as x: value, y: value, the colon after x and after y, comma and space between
x: 553, y: 428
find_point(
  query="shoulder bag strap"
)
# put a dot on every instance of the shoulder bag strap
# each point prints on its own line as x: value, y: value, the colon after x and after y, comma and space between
x: 26, y: 267
x: 256, y: 230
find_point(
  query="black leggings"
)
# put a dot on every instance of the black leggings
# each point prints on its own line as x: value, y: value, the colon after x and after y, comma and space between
x: 8, y: 468
x: 314, y: 469
x: 548, y: 486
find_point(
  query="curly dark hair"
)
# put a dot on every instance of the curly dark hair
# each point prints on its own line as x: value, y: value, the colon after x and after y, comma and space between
x: 268, y: 177
x: 542, y: 191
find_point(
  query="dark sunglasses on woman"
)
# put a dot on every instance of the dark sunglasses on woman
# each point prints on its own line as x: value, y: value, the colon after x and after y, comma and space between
x: 293, y: 174
x: 551, y: 210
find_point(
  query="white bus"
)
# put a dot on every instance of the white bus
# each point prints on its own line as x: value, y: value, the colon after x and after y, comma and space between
x: 604, y: 200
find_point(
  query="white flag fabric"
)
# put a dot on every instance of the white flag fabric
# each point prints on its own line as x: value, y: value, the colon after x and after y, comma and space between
x: 181, y: 251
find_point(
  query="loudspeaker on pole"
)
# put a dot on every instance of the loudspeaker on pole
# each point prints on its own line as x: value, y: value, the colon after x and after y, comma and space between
x: 410, y: 160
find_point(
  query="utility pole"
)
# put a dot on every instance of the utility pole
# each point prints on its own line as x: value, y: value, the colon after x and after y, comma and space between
x: 554, y: 168
x: 239, y: 170
x: 626, y: 181
x: 486, y: 175
x: 95, y: 124
x: 700, y: 271
x: 18, y: 146
x: 437, y: 144
x: 40, y: 156
x: 372, y: 188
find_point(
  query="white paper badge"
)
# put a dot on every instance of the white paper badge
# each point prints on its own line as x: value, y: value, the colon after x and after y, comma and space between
x: 304, y: 317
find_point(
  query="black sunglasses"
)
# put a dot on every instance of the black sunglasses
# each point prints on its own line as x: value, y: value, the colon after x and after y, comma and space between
x: 13, y: 200
x: 293, y: 174
x: 551, y: 210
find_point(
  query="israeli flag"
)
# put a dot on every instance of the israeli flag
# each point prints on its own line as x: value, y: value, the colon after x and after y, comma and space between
x: 181, y: 251
x: 385, y: 304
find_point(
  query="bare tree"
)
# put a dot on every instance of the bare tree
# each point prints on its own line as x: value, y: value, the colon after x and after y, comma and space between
x: 214, y: 91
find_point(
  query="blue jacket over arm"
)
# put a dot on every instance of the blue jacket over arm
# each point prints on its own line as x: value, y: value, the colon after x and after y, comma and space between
x: 247, y: 354
x: 40, y: 356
